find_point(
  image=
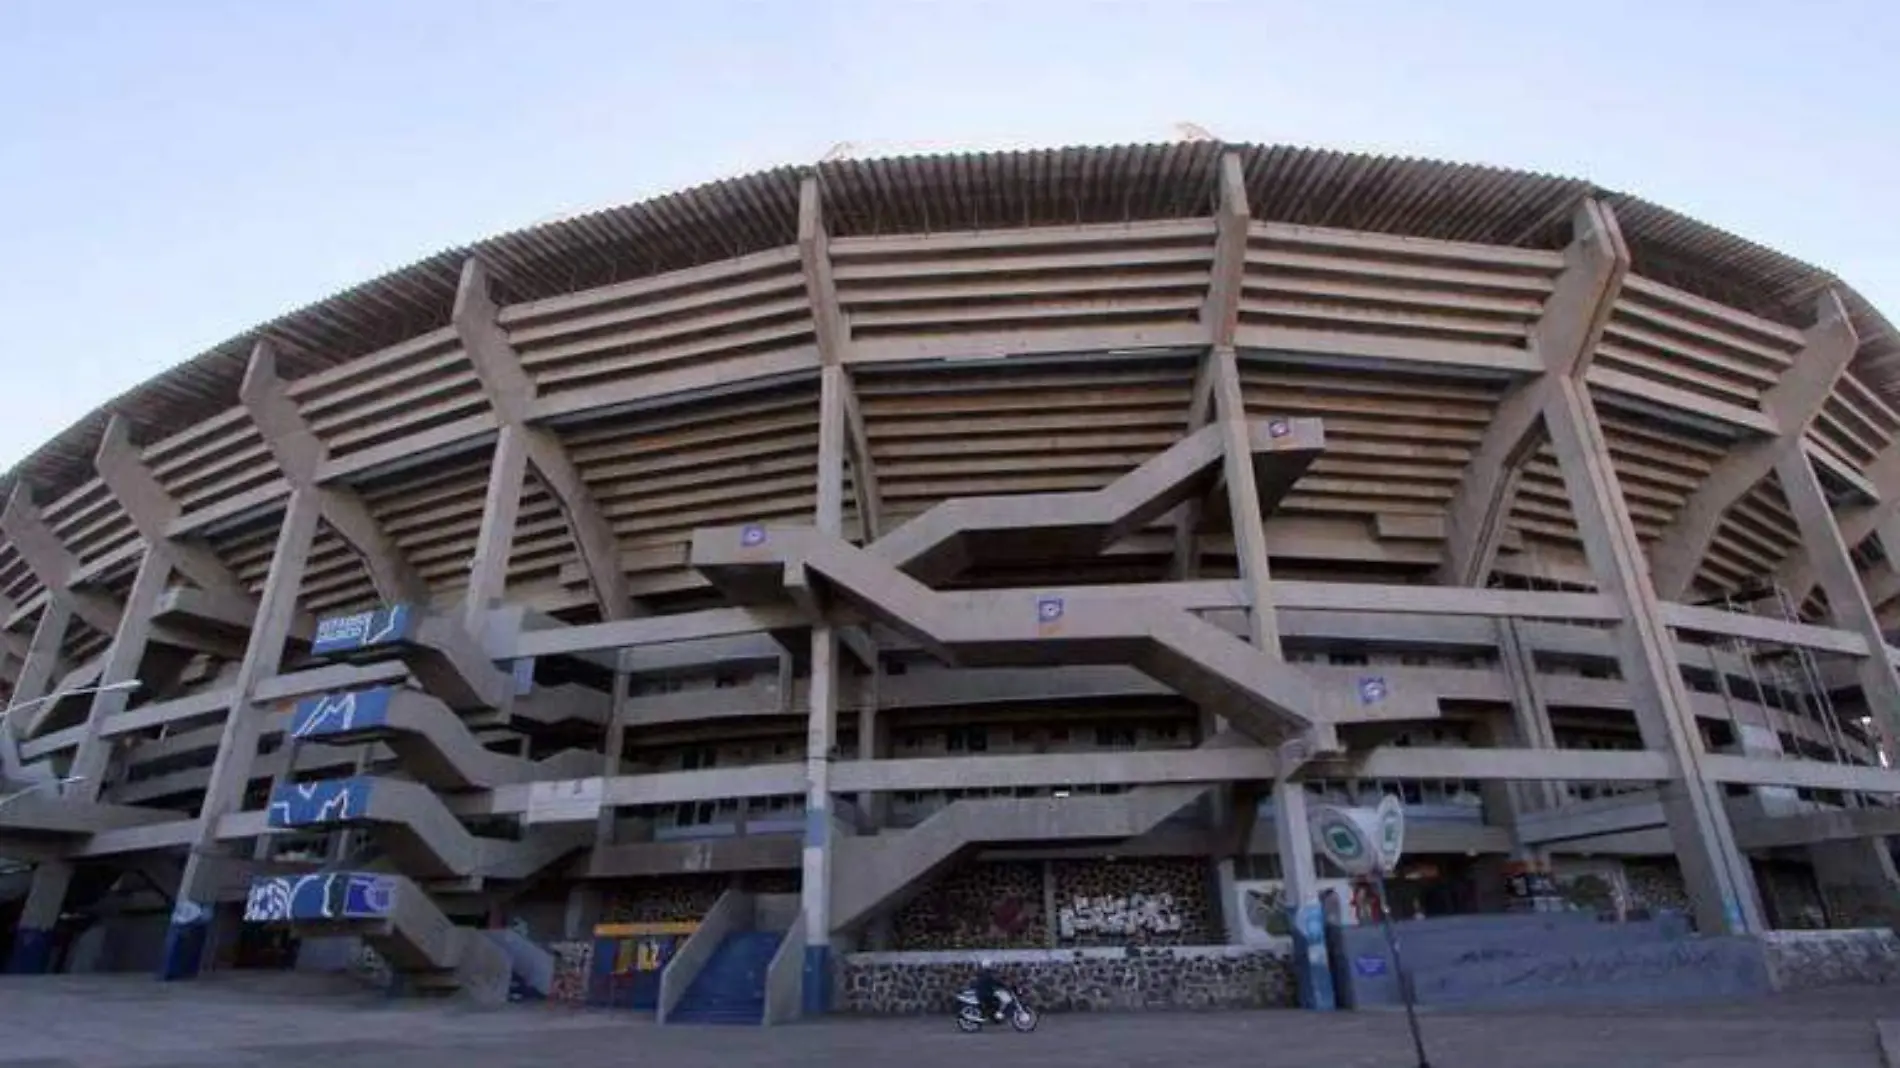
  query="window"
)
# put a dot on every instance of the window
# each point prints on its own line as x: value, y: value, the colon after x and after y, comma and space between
x: 967, y: 739
x: 1115, y: 737
x: 1347, y: 659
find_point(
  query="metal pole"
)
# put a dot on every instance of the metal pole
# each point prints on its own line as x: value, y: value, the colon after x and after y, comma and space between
x: 1398, y: 963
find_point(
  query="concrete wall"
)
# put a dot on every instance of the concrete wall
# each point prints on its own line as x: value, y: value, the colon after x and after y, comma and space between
x: 1061, y: 904
x: 1098, y: 980
x: 1805, y: 960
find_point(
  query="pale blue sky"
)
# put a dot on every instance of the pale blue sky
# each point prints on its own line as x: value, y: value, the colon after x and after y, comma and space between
x: 172, y: 173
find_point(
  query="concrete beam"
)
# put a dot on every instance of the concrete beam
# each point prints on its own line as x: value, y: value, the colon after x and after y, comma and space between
x: 834, y: 346
x: 152, y: 510
x: 1220, y: 312
x: 512, y: 394
x: 1565, y: 341
x: 299, y: 454
x: 1794, y: 402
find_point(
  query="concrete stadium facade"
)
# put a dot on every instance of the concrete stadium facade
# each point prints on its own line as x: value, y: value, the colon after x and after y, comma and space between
x: 821, y: 537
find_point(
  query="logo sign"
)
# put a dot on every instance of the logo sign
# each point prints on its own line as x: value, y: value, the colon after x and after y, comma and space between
x: 752, y: 535
x: 1048, y: 612
x: 1389, y: 823
x: 523, y: 672
x: 1372, y: 689
x: 1369, y: 966
x: 1278, y: 428
x: 342, y: 634
x: 1360, y: 841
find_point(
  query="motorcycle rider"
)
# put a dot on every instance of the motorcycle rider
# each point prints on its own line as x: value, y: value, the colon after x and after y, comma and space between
x: 986, y: 986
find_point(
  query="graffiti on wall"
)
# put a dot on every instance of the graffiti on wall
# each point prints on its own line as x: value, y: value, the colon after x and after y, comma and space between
x: 341, y: 713
x: 334, y: 895
x: 1136, y: 913
x: 301, y: 804
x: 344, y: 634
x: 1265, y: 918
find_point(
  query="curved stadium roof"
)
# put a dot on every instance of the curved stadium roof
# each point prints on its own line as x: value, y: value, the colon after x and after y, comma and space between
x: 1058, y: 186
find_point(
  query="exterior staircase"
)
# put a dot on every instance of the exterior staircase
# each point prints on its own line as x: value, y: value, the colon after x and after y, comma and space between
x: 1263, y: 697
x: 884, y: 868
x: 730, y: 989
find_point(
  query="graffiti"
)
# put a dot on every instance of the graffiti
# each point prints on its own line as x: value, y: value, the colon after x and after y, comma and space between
x: 343, y: 634
x: 335, y: 895
x: 1135, y: 913
x: 342, y: 713
x: 1266, y: 916
x: 302, y: 804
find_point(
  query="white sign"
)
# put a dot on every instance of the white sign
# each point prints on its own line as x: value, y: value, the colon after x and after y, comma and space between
x: 567, y: 801
x: 1360, y: 841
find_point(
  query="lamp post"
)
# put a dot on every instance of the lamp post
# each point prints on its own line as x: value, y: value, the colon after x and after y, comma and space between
x: 57, y: 695
x: 61, y: 695
x: 7, y: 799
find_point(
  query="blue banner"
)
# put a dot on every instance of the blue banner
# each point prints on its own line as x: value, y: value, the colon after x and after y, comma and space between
x: 303, y: 804
x: 342, y: 713
x: 335, y: 895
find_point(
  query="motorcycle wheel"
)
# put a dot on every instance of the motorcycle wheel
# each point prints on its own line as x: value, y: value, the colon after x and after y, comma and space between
x: 967, y: 1025
x: 1023, y: 1020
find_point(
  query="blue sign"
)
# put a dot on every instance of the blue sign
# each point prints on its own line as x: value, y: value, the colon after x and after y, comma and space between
x: 345, y: 634
x: 334, y: 895
x: 1372, y: 689
x: 342, y: 713
x: 523, y: 671
x: 304, y: 804
x: 1369, y: 966
x: 752, y: 535
x: 1048, y: 609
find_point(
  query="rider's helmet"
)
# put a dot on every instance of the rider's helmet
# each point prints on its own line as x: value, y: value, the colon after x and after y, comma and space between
x: 985, y: 964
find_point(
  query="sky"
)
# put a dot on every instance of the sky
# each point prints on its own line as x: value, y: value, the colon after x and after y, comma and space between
x: 174, y: 173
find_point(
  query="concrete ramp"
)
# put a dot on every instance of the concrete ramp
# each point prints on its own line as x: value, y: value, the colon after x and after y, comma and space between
x: 884, y: 868
x: 432, y: 742
x: 395, y: 918
x: 957, y: 533
x: 438, y: 651
x: 44, y: 813
x: 1265, y: 698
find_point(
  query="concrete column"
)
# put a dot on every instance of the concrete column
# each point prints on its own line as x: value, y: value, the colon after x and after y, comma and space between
x: 820, y: 725
x: 1300, y: 878
x: 1530, y: 718
x: 237, y: 745
x: 33, y: 940
x: 52, y: 879
x: 1718, y: 877
x: 488, y: 571
x: 1846, y: 598
x: 36, y: 673
x: 605, y: 828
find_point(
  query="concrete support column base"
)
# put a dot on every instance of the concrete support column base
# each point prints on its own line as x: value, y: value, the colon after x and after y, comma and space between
x: 32, y: 952
x: 817, y: 980
x: 185, y: 942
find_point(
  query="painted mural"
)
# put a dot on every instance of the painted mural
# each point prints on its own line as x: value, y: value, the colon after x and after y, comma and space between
x: 1263, y: 912
x: 344, y: 634
x: 302, y: 804
x: 1133, y: 901
x: 336, y: 895
x: 342, y: 713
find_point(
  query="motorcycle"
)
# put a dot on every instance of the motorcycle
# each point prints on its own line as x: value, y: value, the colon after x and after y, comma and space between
x: 1009, y: 1009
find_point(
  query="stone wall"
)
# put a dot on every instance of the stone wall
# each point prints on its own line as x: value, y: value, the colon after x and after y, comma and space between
x: 1091, y: 980
x: 976, y: 905
x: 682, y: 898
x: 1155, y: 901
x: 1656, y: 885
x: 1804, y: 960
x: 573, y: 961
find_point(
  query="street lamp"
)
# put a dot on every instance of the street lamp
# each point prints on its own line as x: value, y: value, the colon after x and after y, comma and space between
x: 61, y: 783
x: 61, y: 695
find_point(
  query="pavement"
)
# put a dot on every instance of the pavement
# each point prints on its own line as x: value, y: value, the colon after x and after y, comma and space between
x: 239, y: 1020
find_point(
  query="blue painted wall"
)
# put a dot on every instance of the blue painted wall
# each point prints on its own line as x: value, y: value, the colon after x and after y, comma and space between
x: 304, y: 804
x: 342, y: 713
x: 335, y: 895
x: 389, y: 625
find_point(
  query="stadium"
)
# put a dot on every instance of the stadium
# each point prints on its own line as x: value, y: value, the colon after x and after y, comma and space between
x: 766, y: 599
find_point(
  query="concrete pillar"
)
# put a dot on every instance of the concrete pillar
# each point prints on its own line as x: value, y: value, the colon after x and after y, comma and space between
x: 32, y: 951
x: 1859, y: 885
x: 237, y: 746
x: 494, y: 542
x: 1300, y: 879
x: 816, y: 896
x: 51, y: 879
x: 1720, y: 884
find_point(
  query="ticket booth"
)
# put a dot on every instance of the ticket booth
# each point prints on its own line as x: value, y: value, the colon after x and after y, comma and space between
x: 628, y: 960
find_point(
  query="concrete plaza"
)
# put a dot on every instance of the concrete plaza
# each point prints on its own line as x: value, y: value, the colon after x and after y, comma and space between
x: 121, y: 1022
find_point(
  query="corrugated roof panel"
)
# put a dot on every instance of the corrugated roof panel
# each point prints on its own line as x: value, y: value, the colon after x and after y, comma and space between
x: 983, y: 191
